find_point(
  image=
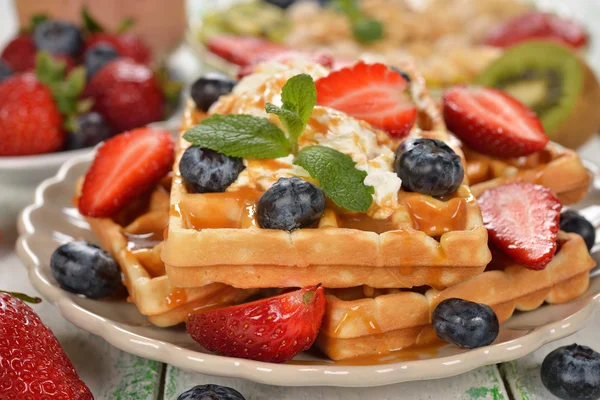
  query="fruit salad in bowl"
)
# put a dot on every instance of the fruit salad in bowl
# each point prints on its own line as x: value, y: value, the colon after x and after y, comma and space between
x: 330, y: 211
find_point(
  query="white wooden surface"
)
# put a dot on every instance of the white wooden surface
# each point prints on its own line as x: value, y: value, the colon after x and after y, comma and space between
x: 114, y: 375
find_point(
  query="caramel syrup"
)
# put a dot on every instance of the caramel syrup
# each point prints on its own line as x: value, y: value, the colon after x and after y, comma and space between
x: 176, y: 298
x: 365, y: 223
x: 357, y: 313
x: 435, y: 217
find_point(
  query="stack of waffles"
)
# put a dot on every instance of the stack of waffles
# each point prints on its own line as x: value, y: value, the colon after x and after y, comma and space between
x: 384, y: 270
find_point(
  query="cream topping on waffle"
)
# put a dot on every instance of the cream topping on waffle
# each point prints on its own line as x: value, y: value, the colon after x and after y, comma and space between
x: 369, y: 147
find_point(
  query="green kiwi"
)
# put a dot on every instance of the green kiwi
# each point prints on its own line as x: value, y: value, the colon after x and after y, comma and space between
x: 247, y: 19
x: 553, y: 81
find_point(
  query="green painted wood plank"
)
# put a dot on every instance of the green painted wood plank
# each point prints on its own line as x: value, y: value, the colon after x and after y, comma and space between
x: 482, y: 384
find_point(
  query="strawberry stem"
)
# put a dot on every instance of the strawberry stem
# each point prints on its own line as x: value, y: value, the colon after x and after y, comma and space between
x: 308, y: 296
x: 24, y: 297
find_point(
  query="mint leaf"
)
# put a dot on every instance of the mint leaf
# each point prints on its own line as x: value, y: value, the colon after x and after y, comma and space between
x: 241, y: 135
x: 337, y: 176
x: 364, y: 29
x: 299, y: 97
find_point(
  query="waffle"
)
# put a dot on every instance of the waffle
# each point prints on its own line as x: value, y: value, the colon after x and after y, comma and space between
x: 359, y: 324
x: 214, y: 237
x: 555, y: 167
x: 136, y: 243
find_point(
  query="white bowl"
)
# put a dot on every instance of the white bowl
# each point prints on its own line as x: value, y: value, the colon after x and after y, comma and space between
x: 53, y: 220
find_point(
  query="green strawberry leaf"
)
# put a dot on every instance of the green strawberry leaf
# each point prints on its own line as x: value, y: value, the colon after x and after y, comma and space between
x: 241, y: 135
x: 125, y: 25
x: 90, y: 25
x: 337, y: 176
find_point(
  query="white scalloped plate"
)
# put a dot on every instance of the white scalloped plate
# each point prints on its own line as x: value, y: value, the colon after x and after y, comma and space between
x: 52, y: 220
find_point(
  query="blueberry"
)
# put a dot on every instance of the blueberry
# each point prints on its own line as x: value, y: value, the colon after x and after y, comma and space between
x: 90, y: 129
x: 281, y: 3
x: 464, y: 323
x: 572, y: 221
x: 98, y: 56
x: 82, y: 268
x: 404, y: 74
x: 211, y: 392
x: 58, y: 37
x: 428, y: 166
x: 291, y: 203
x: 572, y: 373
x: 5, y: 71
x: 207, y: 89
x: 206, y: 171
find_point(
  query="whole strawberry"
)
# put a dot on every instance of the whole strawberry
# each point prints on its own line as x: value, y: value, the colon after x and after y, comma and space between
x: 33, y: 365
x: 271, y: 330
x: 127, y: 94
x: 30, y: 122
x: 19, y: 53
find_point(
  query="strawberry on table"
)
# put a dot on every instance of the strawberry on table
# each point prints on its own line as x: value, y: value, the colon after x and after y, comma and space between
x: 371, y: 92
x: 19, y: 53
x: 33, y: 365
x: 492, y: 122
x: 125, y: 167
x: 522, y: 220
x: 127, y: 94
x: 244, y: 50
x: 537, y: 25
x: 271, y: 330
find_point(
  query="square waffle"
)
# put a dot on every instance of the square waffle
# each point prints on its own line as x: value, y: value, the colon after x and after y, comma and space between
x: 135, y: 240
x: 363, y: 322
x: 213, y: 237
x: 555, y: 167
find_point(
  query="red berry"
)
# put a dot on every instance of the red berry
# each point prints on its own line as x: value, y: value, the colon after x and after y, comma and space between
x: 537, y: 25
x: 127, y: 45
x: 125, y: 167
x: 270, y: 330
x: 244, y: 50
x: 33, y: 365
x: 30, y: 122
x: 127, y: 94
x: 522, y: 220
x: 492, y: 122
x: 19, y: 54
x: 371, y: 92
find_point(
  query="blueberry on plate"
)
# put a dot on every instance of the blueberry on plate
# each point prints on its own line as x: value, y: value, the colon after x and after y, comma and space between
x: 89, y: 129
x: 82, y: 268
x: 5, y: 71
x: 211, y: 392
x: 281, y: 3
x: 572, y: 221
x: 464, y: 323
x: 428, y: 166
x: 97, y: 56
x: 291, y: 203
x: 207, y: 89
x: 572, y: 373
x: 206, y: 171
x: 58, y: 37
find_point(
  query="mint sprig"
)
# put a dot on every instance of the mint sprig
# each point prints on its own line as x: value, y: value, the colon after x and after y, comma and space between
x: 247, y: 136
x: 299, y: 97
x: 337, y: 176
x: 364, y: 29
x: 240, y: 135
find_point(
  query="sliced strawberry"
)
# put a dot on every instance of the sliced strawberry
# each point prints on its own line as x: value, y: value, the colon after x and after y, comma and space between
x: 492, y: 122
x: 371, y: 92
x: 244, y: 50
x: 318, y: 57
x: 270, y: 330
x: 522, y: 220
x: 537, y: 25
x: 125, y: 167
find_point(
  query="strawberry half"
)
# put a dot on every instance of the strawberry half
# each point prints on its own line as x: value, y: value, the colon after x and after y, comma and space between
x: 270, y: 330
x: 244, y: 50
x: 125, y: 167
x: 371, y: 92
x: 537, y: 25
x: 492, y: 122
x: 522, y: 220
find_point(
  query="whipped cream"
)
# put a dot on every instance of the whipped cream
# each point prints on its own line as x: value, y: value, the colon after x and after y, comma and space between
x: 368, y: 147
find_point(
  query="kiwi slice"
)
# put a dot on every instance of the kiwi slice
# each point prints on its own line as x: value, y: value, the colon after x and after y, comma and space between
x: 555, y: 83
